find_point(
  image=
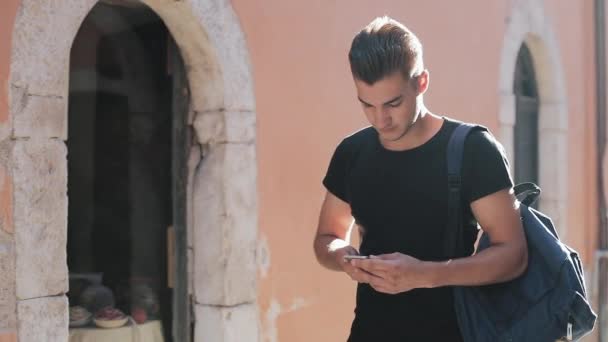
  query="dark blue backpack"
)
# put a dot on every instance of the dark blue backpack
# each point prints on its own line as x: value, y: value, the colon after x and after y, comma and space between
x: 547, y: 303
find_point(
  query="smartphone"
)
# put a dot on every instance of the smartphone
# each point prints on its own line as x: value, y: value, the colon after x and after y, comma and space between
x: 351, y: 257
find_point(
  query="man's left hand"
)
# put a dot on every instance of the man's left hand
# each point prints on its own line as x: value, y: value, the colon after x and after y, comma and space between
x: 395, y: 272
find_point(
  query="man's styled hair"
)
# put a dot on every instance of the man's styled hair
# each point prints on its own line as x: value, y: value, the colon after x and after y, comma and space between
x: 383, y: 47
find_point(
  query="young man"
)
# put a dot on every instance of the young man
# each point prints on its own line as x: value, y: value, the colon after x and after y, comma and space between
x: 391, y: 179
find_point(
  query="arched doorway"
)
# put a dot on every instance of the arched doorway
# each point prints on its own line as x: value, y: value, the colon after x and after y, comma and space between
x: 126, y: 158
x: 530, y: 26
x: 526, y: 119
x: 220, y: 221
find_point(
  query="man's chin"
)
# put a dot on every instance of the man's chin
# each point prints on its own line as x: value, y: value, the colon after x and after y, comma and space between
x: 392, y: 136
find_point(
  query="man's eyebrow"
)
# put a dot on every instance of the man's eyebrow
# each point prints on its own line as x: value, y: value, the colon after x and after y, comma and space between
x: 386, y: 103
x: 365, y: 103
x: 394, y: 100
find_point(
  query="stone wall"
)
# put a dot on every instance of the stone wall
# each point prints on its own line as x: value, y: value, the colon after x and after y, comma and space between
x: 222, y: 188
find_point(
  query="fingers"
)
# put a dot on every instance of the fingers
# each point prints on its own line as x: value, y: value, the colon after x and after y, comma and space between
x: 391, y: 256
x: 381, y: 285
x: 382, y: 289
x: 386, y: 290
x: 384, y: 286
x: 374, y: 265
x: 378, y: 283
x: 359, y: 275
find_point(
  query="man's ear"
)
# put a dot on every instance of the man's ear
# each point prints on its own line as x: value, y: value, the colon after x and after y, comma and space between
x: 422, y: 82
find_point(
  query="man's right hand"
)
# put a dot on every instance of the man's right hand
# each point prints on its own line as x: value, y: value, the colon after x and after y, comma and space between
x: 355, y: 273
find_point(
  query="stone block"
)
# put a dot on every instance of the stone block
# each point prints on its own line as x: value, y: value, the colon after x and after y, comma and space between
x: 43, y: 319
x: 40, y: 216
x: 553, y: 164
x: 42, y: 44
x: 200, y: 57
x: 8, y: 309
x: 226, y: 36
x: 227, y: 324
x: 553, y: 116
x: 38, y: 116
x: 222, y: 127
x: 194, y: 159
x: 507, y: 110
x: 225, y: 223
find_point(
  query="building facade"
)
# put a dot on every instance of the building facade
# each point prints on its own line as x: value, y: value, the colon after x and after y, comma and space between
x: 180, y: 144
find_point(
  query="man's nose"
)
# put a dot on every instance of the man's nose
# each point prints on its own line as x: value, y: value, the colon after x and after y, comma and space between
x: 382, y: 118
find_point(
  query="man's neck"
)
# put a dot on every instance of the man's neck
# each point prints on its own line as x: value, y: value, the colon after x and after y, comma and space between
x: 421, y: 131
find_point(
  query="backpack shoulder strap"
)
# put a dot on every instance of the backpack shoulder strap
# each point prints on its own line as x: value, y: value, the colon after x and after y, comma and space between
x: 453, y: 240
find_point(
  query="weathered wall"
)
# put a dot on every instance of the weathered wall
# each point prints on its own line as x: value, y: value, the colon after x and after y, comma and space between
x: 307, y: 103
x: 8, y: 300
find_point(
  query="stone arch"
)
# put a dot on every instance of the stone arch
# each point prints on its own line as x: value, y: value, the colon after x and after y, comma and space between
x: 221, y: 189
x: 528, y: 23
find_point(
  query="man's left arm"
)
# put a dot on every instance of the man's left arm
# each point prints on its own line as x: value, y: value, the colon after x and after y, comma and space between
x: 506, y: 258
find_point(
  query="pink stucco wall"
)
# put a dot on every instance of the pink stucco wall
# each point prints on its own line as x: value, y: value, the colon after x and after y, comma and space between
x: 306, y: 103
x: 573, y: 25
x: 8, y: 8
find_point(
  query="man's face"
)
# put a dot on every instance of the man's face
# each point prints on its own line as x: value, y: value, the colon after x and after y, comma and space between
x: 389, y: 105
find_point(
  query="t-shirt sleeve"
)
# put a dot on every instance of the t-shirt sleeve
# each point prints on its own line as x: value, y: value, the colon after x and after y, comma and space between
x: 486, y: 166
x: 335, y: 178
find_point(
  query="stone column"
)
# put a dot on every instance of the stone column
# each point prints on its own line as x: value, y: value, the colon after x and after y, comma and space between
x: 225, y: 233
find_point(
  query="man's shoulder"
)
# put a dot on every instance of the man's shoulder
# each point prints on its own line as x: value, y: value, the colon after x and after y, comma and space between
x: 481, y: 144
x: 362, y: 134
x: 360, y: 137
x: 482, y: 138
x: 453, y: 123
x: 479, y: 135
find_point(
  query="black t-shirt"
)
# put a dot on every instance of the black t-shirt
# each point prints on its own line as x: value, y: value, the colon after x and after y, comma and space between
x: 399, y: 199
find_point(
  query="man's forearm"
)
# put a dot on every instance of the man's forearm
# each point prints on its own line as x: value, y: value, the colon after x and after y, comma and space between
x: 326, y: 247
x: 498, y: 263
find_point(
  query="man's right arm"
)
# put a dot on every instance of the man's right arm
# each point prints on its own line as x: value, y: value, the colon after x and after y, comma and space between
x: 332, y: 240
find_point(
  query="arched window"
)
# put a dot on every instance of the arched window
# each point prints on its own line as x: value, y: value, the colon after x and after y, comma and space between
x: 526, y: 124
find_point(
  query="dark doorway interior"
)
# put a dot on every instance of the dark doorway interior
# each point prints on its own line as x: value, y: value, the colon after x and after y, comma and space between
x: 526, y: 122
x: 120, y: 160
